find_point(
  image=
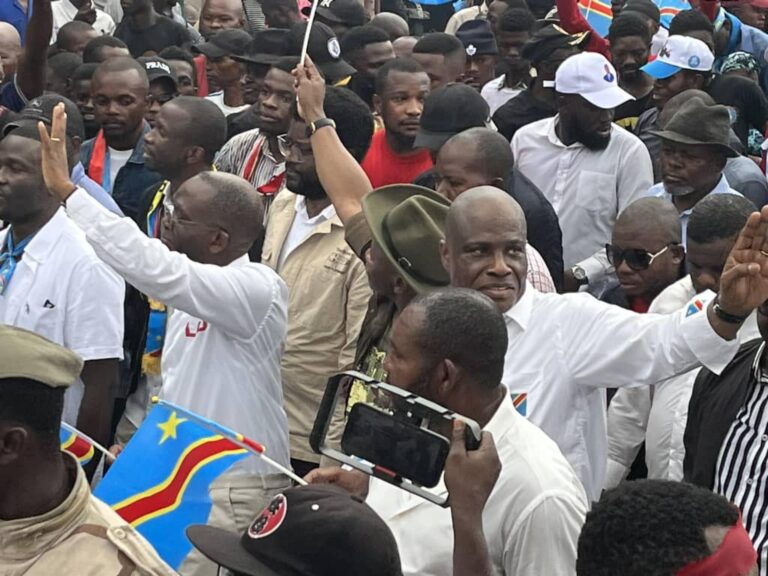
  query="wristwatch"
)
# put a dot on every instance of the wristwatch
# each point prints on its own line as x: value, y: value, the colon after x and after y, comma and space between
x: 313, y: 127
x: 580, y: 275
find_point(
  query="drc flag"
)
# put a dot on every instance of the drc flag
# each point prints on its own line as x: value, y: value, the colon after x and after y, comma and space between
x: 159, y: 483
x: 76, y: 445
x: 599, y: 15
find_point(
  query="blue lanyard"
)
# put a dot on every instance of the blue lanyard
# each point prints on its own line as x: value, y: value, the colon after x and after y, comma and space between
x: 9, y: 257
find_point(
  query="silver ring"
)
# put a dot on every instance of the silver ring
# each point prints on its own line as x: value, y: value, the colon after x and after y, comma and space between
x: 764, y: 253
x: 59, y: 140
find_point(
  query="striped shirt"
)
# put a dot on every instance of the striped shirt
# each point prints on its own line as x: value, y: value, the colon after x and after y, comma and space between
x: 742, y: 466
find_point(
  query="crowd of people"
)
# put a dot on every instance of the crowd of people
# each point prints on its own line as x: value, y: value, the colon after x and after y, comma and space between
x: 560, y: 236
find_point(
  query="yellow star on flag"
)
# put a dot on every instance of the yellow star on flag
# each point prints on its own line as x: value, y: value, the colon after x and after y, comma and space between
x: 169, y: 427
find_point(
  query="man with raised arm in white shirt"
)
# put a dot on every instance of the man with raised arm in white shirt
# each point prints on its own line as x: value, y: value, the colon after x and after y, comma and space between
x: 224, y: 336
x: 565, y: 349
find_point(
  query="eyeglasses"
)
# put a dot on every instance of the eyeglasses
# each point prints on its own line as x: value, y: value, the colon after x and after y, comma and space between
x: 174, y: 218
x: 299, y: 149
x: 636, y: 258
x: 165, y: 98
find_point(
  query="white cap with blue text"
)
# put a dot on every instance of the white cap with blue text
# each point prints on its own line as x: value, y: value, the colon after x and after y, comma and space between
x: 591, y: 76
x: 680, y: 53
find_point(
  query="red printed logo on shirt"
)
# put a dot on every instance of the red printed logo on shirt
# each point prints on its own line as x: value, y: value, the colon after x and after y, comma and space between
x: 195, y: 328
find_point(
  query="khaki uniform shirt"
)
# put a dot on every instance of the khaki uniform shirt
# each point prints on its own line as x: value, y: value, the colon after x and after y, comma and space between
x: 328, y: 295
x: 81, y: 536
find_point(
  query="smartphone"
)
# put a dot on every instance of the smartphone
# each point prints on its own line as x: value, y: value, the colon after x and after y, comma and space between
x: 395, y: 444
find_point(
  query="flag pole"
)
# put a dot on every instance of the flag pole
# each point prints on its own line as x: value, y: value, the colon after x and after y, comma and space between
x: 93, y: 442
x: 310, y: 21
x: 240, y: 440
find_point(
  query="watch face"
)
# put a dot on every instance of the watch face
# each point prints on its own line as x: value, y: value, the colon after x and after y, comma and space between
x: 579, y: 274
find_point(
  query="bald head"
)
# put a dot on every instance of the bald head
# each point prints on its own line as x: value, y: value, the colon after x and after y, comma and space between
x: 478, y: 206
x: 486, y: 149
x: 674, y: 104
x: 9, y: 36
x: 217, y: 15
x: 10, y: 48
x: 392, y: 24
x: 656, y: 217
x: 236, y: 204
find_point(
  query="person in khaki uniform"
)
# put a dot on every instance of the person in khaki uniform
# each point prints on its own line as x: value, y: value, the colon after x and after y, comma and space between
x: 327, y: 284
x: 50, y: 523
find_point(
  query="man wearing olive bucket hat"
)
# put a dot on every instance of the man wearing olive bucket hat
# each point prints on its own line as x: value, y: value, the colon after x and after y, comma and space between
x: 694, y: 149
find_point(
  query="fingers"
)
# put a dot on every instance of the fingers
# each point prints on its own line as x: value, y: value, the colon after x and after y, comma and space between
x: 44, y: 139
x: 749, y: 233
x: 487, y: 443
x: 59, y: 125
x: 323, y: 476
x: 458, y: 442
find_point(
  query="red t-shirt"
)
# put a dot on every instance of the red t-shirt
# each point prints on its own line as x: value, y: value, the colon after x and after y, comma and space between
x: 383, y: 166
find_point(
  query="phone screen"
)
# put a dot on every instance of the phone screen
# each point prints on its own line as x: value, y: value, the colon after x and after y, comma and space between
x: 397, y: 445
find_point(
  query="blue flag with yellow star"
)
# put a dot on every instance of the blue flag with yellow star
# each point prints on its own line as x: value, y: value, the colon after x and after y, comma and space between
x: 599, y: 14
x: 159, y: 483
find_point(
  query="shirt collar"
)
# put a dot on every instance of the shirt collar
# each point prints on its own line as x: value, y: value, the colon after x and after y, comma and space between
x: 68, y: 9
x: 757, y: 361
x: 521, y: 312
x: 47, y: 237
x: 503, y: 420
x: 722, y: 187
x: 328, y: 213
x: 78, y: 172
x: 137, y: 157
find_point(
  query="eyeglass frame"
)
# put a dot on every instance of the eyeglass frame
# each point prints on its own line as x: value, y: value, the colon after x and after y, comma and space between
x: 608, y: 249
x: 169, y: 211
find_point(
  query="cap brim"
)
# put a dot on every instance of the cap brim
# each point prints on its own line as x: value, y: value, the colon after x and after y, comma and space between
x: 660, y: 70
x: 432, y: 140
x: 210, y: 50
x: 683, y: 139
x: 163, y: 76
x: 224, y: 548
x: 609, y: 98
x: 260, y: 59
x: 336, y: 70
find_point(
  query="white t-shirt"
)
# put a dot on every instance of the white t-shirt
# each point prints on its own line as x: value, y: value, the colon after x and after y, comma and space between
x: 218, y: 99
x: 117, y: 159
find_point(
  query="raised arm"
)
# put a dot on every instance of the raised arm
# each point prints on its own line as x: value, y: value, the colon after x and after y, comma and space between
x: 341, y: 176
x: 30, y: 74
x: 573, y: 22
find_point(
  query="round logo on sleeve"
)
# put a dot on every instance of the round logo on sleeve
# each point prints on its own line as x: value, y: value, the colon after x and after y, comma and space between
x: 333, y: 47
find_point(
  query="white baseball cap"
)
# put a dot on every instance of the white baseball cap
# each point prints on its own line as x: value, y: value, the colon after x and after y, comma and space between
x: 591, y: 76
x: 680, y: 53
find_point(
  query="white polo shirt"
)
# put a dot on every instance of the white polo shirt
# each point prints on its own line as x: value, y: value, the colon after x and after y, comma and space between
x: 531, y: 521
x: 564, y: 349
x: 64, y: 11
x: 62, y: 291
x: 225, y: 332
x: 587, y: 188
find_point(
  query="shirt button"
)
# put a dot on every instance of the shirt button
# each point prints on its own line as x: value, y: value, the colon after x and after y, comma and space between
x: 749, y: 481
x: 119, y: 533
x: 765, y: 437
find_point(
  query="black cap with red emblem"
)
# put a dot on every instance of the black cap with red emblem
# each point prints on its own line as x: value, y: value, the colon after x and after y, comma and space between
x: 306, y: 531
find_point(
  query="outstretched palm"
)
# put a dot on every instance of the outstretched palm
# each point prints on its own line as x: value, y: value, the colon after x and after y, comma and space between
x: 54, y: 154
x: 744, y: 282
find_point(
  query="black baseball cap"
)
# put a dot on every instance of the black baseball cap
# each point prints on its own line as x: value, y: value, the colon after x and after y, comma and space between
x: 349, y: 12
x: 266, y: 48
x: 548, y: 39
x: 157, y: 68
x: 323, y: 48
x: 449, y: 110
x: 308, y: 530
x: 40, y: 109
x: 477, y: 37
x: 225, y: 43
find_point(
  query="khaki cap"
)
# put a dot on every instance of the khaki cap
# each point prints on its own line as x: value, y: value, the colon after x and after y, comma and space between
x: 24, y: 354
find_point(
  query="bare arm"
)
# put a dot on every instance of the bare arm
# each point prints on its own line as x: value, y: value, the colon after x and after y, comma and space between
x: 30, y: 75
x: 100, y: 378
x: 342, y: 178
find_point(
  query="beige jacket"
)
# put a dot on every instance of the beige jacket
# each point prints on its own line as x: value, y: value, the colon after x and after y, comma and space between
x: 81, y: 536
x: 328, y: 295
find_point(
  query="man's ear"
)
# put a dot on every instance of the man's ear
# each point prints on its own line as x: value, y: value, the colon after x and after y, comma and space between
x: 444, y: 256
x: 220, y: 242
x: 13, y: 441
x: 194, y: 155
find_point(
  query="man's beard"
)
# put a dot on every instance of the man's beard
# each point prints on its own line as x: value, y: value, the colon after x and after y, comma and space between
x: 678, y: 190
x: 311, y: 191
x: 591, y: 140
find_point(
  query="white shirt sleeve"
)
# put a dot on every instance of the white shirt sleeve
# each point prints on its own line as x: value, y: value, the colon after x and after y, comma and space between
x: 606, y: 346
x: 627, y: 423
x: 545, y: 540
x: 236, y: 299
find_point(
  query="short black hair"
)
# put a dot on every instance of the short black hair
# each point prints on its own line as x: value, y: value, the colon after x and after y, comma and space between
x: 354, y: 121
x: 236, y: 205
x: 64, y: 64
x: 122, y: 64
x: 466, y: 327
x: 650, y: 528
x: 291, y: 5
x: 404, y: 65
x: 177, y: 53
x: 719, y: 216
x: 628, y: 25
x: 84, y: 72
x: 359, y: 37
x: 516, y: 20
x: 207, y: 125
x: 512, y: 4
x: 32, y: 404
x: 68, y: 32
x: 690, y: 21
x: 92, y: 50
x: 438, y: 43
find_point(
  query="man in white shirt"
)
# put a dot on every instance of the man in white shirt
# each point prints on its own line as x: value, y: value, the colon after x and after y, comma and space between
x: 448, y: 347
x: 68, y: 10
x: 52, y: 283
x: 223, y: 70
x: 563, y: 349
x: 658, y: 414
x: 587, y: 167
x: 225, y: 334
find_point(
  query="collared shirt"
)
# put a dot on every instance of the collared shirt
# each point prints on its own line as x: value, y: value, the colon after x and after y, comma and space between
x: 538, y: 274
x: 587, y: 188
x: 328, y: 297
x: 744, y: 176
x: 656, y: 415
x: 218, y: 99
x: 12, y: 12
x: 741, y: 475
x: 564, y: 348
x: 82, y: 535
x: 497, y: 93
x: 302, y: 227
x: 64, y: 11
x: 224, y: 336
x: 531, y: 521
x: 465, y: 15
x: 80, y: 178
x: 62, y: 291
x: 659, y: 191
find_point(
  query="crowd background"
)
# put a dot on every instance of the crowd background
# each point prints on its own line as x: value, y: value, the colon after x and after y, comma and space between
x: 560, y: 235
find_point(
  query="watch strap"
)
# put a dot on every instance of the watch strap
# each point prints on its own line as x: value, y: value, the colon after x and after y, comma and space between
x: 313, y: 127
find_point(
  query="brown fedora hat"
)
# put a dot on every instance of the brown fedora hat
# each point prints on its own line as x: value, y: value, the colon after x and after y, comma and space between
x: 697, y: 123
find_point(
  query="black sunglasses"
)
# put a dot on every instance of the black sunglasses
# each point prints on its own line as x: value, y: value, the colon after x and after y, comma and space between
x: 636, y: 258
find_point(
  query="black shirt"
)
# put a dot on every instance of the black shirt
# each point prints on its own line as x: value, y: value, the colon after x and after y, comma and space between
x: 520, y: 111
x: 148, y: 42
x: 628, y: 113
x: 747, y: 103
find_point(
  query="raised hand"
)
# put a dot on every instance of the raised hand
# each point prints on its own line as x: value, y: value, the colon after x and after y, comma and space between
x: 310, y: 91
x: 54, y: 154
x: 470, y: 475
